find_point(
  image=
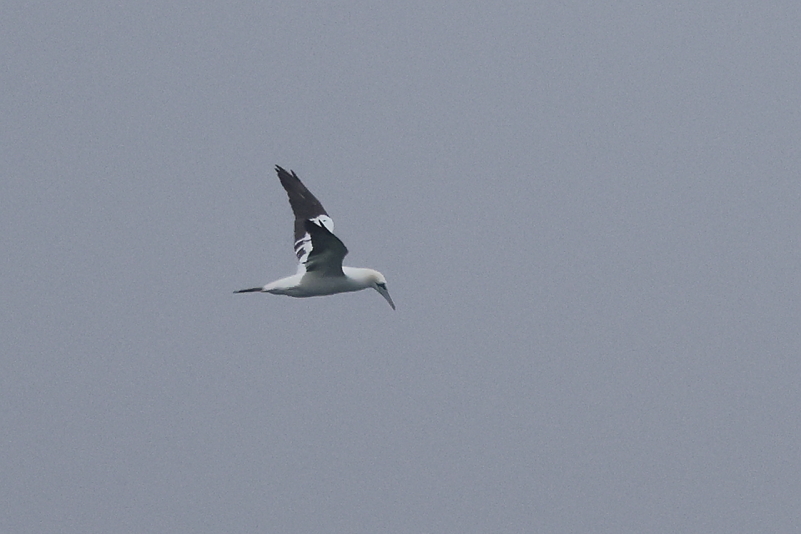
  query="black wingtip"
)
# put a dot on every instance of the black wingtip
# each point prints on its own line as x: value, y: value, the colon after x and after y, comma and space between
x: 282, y: 172
x: 293, y: 186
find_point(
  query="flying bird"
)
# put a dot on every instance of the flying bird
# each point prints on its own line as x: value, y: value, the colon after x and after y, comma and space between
x: 319, y: 251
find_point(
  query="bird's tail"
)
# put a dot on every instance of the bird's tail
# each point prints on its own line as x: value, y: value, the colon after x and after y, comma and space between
x: 251, y: 290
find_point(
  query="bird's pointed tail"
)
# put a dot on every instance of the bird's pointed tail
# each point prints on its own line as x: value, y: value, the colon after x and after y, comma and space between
x: 251, y: 290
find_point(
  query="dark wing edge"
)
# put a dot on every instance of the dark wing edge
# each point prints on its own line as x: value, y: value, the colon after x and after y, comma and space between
x: 327, y: 251
x: 305, y: 206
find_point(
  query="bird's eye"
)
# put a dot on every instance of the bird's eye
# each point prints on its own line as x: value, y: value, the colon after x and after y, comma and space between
x: 381, y: 285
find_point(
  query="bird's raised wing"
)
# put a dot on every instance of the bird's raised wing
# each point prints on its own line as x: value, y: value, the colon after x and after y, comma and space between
x: 327, y: 249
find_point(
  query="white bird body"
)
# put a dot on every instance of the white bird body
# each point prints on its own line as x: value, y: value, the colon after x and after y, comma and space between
x: 313, y: 284
x: 319, y: 252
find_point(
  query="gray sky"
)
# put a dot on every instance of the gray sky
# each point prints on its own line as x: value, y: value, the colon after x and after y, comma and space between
x: 588, y: 215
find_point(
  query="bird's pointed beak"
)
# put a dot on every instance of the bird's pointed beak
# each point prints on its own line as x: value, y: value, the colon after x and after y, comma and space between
x: 385, y: 293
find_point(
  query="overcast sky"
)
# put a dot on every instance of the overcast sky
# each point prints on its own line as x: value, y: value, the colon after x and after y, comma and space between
x: 587, y: 212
